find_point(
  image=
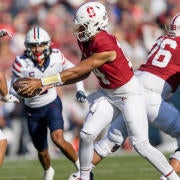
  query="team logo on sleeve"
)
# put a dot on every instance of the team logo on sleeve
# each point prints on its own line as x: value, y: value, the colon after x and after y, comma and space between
x: 31, y: 74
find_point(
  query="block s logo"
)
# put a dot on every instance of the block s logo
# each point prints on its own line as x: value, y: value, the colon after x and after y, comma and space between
x: 91, y: 12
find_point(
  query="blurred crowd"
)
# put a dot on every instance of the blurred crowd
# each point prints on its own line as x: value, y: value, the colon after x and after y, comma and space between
x: 135, y: 23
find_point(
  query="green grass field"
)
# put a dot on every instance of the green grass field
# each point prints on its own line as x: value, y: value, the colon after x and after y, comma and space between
x: 126, y: 167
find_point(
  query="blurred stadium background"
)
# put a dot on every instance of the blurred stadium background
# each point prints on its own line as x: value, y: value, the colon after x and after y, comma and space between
x: 136, y: 24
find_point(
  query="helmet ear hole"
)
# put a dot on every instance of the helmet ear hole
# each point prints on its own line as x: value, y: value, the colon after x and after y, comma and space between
x: 93, y: 17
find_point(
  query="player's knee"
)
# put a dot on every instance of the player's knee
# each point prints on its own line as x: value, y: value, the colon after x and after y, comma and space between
x: 43, y: 153
x: 86, y: 138
x: 110, y: 144
x: 115, y: 136
x: 57, y: 137
x: 106, y: 147
x: 175, y: 155
x: 143, y: 148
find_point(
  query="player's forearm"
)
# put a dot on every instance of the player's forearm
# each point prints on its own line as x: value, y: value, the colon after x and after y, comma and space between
x: 65, y: 77
x: 57, y: 80
x: 3, y: 85
x: 71, y: 78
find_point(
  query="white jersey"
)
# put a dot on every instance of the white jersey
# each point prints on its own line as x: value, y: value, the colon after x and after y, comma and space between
x: 25, y: 67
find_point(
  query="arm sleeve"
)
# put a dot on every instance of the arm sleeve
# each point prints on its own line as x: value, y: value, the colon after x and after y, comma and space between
x: 17, y: 68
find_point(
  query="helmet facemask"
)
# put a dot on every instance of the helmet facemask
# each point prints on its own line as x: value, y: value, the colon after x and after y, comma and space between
x: 37, y: 43
x: 38, y: 55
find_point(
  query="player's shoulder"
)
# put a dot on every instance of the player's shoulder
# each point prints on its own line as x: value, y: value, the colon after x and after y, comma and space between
x: 22, y: 60
x: 103, y: 36
x: 56, y: 55
x: 177, y: 39
x: 55, y: 51
x: 165, y: 36
x: 174, y: 42
x: 21, y: 57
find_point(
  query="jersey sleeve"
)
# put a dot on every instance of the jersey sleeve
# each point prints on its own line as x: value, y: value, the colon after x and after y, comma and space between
x: 67, y: 64
x: 17, y: 72
x: 104, y: 43
x: 17, y: 67
x: 63, y: 61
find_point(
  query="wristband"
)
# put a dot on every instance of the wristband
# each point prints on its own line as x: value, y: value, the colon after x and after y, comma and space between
x: 54, y: 79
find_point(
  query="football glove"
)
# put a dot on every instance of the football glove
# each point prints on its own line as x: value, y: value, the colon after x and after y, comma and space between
x: 9, y: 98
x: 80, y: 96
x: 4, y: 32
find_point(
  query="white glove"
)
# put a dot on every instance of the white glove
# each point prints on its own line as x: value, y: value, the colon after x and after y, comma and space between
x: 4, y: 32
x: 80, y: 96
x: 9, y: 98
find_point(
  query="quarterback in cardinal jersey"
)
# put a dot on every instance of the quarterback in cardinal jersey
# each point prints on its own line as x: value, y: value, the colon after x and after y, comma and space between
x: 115, y: 73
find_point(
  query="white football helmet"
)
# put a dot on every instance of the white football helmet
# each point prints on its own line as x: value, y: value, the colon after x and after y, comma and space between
x: 174, y: 28
x: 37, y: 37
x: 89, y: 19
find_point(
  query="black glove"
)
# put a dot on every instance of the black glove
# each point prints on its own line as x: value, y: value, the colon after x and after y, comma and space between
x: 80, y: 96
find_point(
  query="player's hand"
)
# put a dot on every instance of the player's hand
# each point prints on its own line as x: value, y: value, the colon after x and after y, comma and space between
x: 4, y: 32
x: 80, y: 96
x: 10, y: 99
x: 45, y: 88
x: 31, y: 85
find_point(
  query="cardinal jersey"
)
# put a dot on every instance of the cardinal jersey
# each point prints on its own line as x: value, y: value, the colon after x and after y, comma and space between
x: 113, y: 74
x: 25, y: 67
x: 163, y: 60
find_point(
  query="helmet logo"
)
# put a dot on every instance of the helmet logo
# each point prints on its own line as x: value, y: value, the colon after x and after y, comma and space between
x: 173, y: 27
x: 31, y: 74
x: 91, y: 12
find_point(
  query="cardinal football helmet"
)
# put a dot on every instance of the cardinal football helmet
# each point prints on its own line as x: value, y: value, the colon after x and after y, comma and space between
x: 37, y: 37
x: 174, y: 28
x: 89, y: 19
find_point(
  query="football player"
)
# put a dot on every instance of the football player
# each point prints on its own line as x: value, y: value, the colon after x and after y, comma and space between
x: 5, y: 97
x: 44, y: 111
x: 160, y: 76
x: 102, y: 54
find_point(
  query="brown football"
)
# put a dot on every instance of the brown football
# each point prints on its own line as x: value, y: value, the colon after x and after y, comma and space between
x: 17, y: 85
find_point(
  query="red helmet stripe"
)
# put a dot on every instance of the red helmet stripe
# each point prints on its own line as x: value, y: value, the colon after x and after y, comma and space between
x: 34, y: 33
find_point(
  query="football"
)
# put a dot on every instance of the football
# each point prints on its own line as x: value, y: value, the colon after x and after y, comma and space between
x: 17, y: 86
